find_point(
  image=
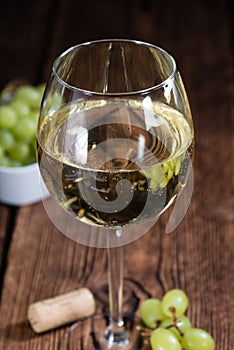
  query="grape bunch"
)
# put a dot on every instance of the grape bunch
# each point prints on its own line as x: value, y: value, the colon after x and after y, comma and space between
x: 167, y: 327
x: 19, y: 109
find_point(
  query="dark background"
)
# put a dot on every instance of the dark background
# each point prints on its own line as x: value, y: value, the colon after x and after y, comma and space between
x: 33, y: 32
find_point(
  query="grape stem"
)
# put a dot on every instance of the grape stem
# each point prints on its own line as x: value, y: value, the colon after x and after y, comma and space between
x: 175, y: 320
x: 146, y: 332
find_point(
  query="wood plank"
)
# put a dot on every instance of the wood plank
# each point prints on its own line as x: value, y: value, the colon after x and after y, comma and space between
x: 4, y: 213
x: 7, y: 217
x: 42, y: 263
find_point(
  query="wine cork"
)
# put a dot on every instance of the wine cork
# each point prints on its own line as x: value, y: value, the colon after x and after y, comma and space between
x: 60, y: 310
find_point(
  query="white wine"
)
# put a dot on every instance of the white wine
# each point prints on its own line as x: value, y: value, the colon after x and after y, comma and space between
x: 114, y: 163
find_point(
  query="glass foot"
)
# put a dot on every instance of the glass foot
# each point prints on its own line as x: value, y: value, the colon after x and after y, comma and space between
x: 116, y: 336
x: 91, y: 334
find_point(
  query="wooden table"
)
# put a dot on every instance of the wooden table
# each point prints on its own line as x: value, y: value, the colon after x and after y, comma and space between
x: 37, y: 261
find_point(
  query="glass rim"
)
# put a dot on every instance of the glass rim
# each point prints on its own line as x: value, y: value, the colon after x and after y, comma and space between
x: 115, y: 94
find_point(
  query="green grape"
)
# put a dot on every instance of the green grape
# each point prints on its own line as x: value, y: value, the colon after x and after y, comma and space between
x: 6, y: 140
x: 33, y: 144
x: 164, y: 339
x: 41, y: 89
x: 177, y: 299
x: 160, y: 174
x: 31, y: 158
x: 34, y: 114
x: 183, y: 323
x: 151, y: 312
x: 20, y: 107
x: 155, y: 174
x: 20, y: 151
x: 174, y: 165
x: 25, y: 129
x: 2, y: 153
x: 18, y: 124
x: 5, y: 161
x: 177, y: 165
x: 29, y: 94
x: 196, y: 338
x: 7, y: 117
x: 168, y: 170
x: 14, y: 163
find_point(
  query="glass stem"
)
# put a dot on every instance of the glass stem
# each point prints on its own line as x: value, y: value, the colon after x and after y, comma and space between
x: 115, y: 333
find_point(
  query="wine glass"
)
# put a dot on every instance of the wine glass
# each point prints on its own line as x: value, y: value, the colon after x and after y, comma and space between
x: 115, y: 139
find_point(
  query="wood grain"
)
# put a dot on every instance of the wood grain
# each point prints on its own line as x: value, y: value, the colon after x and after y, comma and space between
x: 38, y: 262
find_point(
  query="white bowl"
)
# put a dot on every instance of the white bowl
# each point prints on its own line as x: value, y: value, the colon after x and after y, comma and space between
x: 21, y: 185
